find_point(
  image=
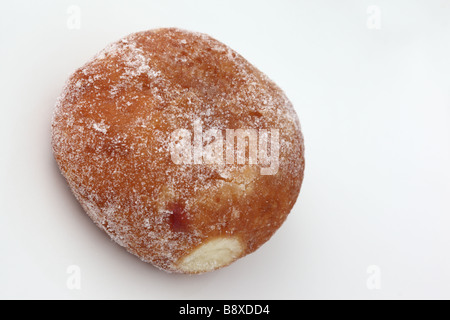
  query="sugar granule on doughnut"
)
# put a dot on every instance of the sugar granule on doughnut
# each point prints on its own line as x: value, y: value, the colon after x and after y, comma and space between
x: 140, y: 134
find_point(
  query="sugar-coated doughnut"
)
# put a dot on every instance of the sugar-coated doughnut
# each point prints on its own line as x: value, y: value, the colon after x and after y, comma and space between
x: 179, y: 149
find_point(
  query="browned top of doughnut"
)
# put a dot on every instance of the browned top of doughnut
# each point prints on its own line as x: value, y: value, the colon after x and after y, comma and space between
x: 111, y: 134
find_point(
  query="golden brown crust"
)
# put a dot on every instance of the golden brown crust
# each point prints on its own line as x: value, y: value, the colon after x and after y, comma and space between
x: 111, y: 139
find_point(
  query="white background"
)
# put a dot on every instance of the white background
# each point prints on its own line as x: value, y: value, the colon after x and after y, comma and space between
x: 375, y: 109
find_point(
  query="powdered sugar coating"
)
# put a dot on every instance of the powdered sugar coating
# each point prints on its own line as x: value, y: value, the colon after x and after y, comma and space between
x: 111, y: 139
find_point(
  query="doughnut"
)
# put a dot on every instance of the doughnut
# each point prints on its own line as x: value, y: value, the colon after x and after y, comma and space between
x: 178, y: 148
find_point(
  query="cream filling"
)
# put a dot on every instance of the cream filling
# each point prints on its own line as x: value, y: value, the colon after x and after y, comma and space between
x: 212, y: 255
